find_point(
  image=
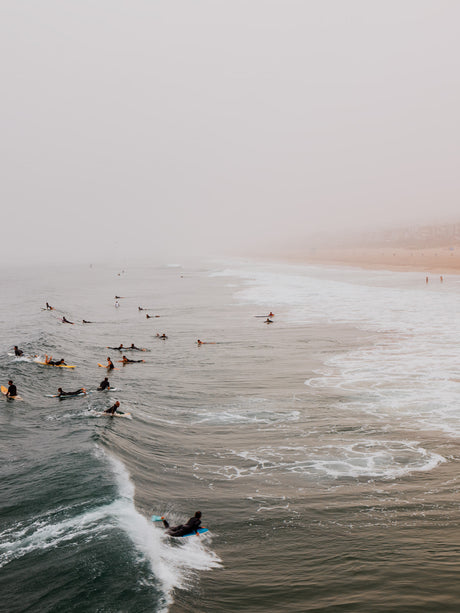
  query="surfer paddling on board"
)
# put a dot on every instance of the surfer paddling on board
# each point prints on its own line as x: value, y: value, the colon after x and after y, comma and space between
x: 49, y: 307
x: 61, y: 392
x: 125, y: 360
x: 113, y: 409
x: 49, y: 360
x: 120, y: 348
x: 12, y: 390
x: 104, y: 385
x: 134, y: 348
x: 268, y: 321
x: 183, y: 529
x: 18, y: 352
x: 66, y: 321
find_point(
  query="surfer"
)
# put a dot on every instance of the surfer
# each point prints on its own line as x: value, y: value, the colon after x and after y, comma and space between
x: 162, y: 336
x: 117, y: 304
x: 126, y: 361
x: 268, y: 321
x: 49, y: 307
x: 61, y: 392
x: 49, y: 360
x: 18, y: 351
x: 12, y: 390
x: 86, y: 322
x: 134, y: 348
x: 113, y: 409
x: 104, y: 385
x: 120, y: 348
x: 271, y: 314
x: 140, y: 308
x: 183, y: 529
x: 66, y: 321
x: 147, y: 316
x: 110, y: 365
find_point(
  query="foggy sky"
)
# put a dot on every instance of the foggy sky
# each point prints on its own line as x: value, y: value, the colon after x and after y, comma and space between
x: 171, y: 127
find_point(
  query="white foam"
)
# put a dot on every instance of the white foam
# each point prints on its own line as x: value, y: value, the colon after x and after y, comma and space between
x: 173, y: 567
x: 408, y: 370
x: 354, y: 458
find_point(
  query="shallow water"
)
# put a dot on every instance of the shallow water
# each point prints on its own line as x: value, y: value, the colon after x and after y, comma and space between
x: 321, y: 449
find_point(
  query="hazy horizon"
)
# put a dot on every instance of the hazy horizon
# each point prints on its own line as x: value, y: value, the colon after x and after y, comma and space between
x: 206, y: 128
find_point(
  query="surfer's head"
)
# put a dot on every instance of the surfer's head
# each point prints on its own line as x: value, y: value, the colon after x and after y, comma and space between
x: 198, y: 514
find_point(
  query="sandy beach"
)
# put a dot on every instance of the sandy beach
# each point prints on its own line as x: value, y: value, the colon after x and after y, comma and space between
x: 434, y: 260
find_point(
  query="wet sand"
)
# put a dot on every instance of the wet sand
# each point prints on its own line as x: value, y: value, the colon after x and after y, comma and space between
x: 433, y: 260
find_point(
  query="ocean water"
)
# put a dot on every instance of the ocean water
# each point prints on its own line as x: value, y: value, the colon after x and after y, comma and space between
x: 321, y: 449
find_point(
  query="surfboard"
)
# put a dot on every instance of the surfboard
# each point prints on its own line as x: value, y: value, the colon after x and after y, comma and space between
x: 103, y: 414
x: 55, y: 365
x: 5, y: 391
x: 200, y: 531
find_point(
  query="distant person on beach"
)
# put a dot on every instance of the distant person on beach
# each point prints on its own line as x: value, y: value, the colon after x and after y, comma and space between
x: 12, y: 390
x: 66, y: 321
x: 190, y: 527
x: 104, y: 385
x: 426, y: 279
x: 113, y: 408
x: 18, y: 351
x: 61, y: 392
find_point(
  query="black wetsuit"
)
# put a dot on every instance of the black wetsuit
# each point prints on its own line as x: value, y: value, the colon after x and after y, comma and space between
x: 80, y: 391
x: 189, y: 528
x: 18, y: 352
x: 12, y: 390
x: 104, y: 385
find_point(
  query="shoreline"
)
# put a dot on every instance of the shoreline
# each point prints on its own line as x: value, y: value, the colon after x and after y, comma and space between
x: 433, y: 260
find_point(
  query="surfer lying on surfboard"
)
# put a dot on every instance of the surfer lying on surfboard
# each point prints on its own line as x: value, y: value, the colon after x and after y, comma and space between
x: 49, y: 360
x: 78, y: 392
x: 125, y: 360
x: 190, y: 527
